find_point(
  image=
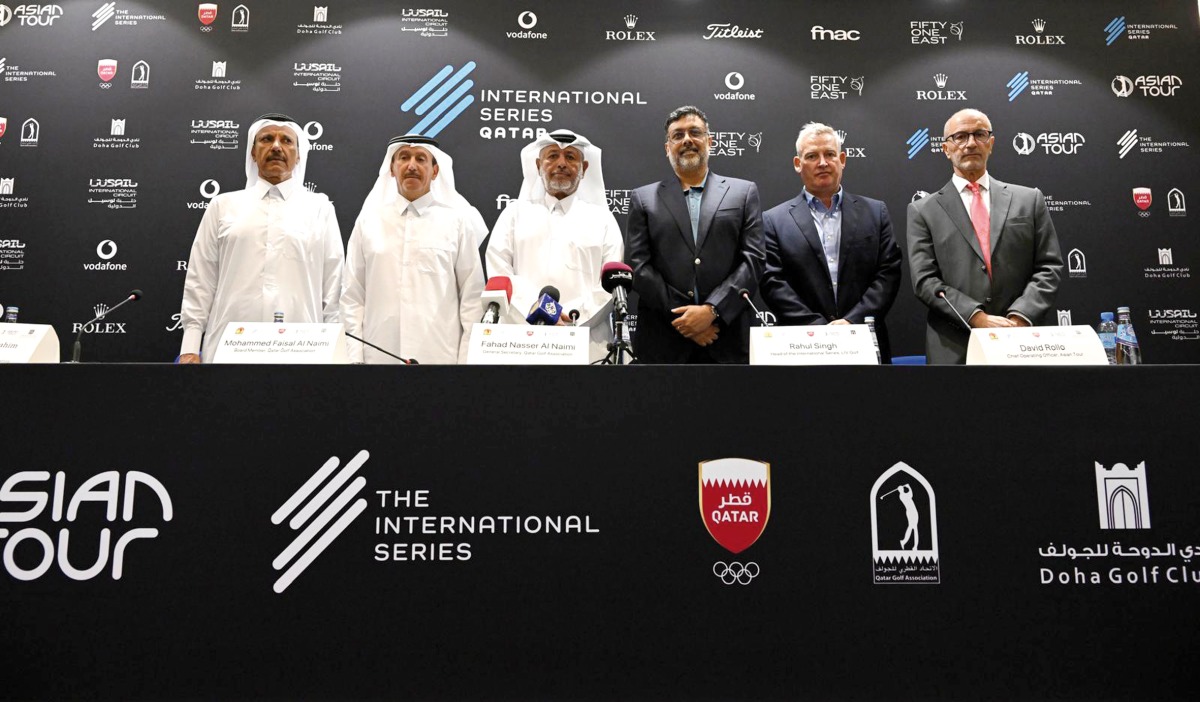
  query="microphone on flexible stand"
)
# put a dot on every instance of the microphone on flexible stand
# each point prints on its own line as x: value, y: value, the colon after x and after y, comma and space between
x: 942, y: 294
x: 496, y: 297
x: 616, y: 278
x: 745, y: 295
x: 405, y: 361
x: 134, y: 295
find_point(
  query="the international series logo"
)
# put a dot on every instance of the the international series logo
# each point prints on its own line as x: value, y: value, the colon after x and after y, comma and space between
x: 904, y: 533
x: 441, y: 99
x: 735, y: 504
x: 320, y: 510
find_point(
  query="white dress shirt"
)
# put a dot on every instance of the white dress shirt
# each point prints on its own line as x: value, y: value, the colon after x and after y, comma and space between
x: 563, y: 243
x: 412, y: 282
x: 968, y: 197
x: 266, y: 249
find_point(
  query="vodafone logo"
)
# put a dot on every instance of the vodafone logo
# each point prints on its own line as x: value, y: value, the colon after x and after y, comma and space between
x: 210, y: 189
x: 734, y: 81
x: 527, y: 20
x: 106, y: 249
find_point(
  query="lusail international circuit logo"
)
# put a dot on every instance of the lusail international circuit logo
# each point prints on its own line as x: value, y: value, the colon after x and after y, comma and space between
x: 735, y: 503
x: 318, y: 510
x: 904, y: 535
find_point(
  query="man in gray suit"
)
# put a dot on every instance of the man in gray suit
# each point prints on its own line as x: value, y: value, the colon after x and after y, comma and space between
x: 981, y: 251
x: 694, y: 241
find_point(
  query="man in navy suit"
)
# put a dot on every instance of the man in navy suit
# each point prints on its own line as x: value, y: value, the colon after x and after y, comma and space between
x: 831, y: 256
x: 694, y: 241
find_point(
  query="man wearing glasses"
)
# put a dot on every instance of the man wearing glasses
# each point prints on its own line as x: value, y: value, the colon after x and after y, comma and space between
x: 694, y: 241
x: 979, y: 249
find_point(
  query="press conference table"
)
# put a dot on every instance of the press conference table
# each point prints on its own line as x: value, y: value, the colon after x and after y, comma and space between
x: 536, y: 533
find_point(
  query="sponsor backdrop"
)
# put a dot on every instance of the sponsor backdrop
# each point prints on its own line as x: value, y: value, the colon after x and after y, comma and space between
x: 236, y: 554
x: 120, y: 120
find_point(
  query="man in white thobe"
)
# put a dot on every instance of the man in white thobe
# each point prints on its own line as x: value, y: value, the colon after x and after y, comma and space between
x: 272, y: 247
x: 559, y: 231
x: 413, y: 273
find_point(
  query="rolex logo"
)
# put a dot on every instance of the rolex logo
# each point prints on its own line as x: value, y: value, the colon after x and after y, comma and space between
x: 631, y: 21
x: 1039, y: 25
x: 100, y: 310
x: 941, y: 79
x: 841, y: 134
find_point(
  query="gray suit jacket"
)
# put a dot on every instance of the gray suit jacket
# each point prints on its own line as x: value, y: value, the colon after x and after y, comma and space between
x: 944, y: 254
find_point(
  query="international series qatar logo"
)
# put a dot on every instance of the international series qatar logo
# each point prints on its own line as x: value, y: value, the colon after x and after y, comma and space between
x: 735, y: 504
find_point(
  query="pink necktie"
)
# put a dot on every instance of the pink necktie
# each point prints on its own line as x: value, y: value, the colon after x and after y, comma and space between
x: 982, y: 224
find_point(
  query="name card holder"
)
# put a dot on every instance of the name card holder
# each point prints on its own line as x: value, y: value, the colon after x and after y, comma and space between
x: 28, y: 343
x: 267, y: 342
x: 527, y: 344
x: 1076, y: 345
x: 812, y: 345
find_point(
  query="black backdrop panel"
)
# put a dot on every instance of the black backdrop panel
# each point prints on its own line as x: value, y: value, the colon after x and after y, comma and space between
x: 880, y: 71
x: 631, y: 609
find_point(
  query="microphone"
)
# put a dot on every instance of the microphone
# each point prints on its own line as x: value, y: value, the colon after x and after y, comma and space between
x: 574, y: 315
x: 405, y: 361
x: 546, y: 310
x: 134, y: 295
x: 942, y: 294
x: 496, y: 296
x: 745, y: 295
x: 617, y: 279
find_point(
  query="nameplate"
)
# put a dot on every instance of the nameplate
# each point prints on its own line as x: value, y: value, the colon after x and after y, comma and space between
x: 527, y: 344
x: 812, y: 345
x: 266, y: 342
x: 28, y: 343
x: 1036, y: 346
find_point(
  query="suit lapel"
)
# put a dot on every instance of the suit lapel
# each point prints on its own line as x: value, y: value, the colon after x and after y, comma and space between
x: 1001, y: 199
x: 672, y: 197
x: 808, y: 228
x: 714, y: 192
x: 850, y: 219
x: 951, y: 202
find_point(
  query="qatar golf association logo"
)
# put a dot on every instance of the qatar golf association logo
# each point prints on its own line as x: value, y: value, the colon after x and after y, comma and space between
x: 321, y: 509
x: 904, y: 534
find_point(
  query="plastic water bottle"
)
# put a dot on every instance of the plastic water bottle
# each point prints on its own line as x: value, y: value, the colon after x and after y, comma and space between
x: 1128, y: 351
x: 870, y: 322
x: 1107, y: 331
x: 10, y: 314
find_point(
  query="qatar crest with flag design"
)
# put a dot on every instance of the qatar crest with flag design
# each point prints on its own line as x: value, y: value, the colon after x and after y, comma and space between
x: 735, y: 500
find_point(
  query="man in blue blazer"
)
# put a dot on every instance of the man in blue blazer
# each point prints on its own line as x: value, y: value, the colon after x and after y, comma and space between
x: 694, y: 241
x: 831, y: 256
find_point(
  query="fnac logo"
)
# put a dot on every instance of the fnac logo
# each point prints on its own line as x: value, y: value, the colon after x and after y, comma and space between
x: 30, y: 552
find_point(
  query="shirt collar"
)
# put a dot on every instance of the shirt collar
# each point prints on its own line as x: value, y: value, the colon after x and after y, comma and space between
x: 960, y: 183
x: 420, y: 206
x: 815, y: 203
x: 698, y: 188
x: 566, y: 202
x: 286, y: 188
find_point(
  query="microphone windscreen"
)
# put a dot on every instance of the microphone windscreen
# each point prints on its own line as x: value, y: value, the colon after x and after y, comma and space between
x: 616, y: 274
x: 500, y: 282
x: 551, y: 291
x: 135, y: 295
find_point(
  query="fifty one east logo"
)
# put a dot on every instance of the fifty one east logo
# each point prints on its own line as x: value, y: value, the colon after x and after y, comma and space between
x: 735, y: 503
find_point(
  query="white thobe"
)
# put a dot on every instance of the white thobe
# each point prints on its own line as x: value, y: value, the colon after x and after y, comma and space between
x: 563, y: 243
x: 259, y: 251
x: 412, y: 282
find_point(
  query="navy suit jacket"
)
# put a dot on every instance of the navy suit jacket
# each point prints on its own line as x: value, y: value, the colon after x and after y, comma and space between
x: 797, y: 286
x: 670, y: 269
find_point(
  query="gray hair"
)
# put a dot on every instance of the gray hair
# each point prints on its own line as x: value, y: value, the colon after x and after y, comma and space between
x: 815, y: 128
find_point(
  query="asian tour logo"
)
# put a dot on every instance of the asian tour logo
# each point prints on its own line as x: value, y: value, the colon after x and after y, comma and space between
x: 41, y: 504
x: 1149, y: 86
x: 904, y: 534
x: 441, y: 99
x: 1052, y: 143
x: 320, y: 509
x: 735, y: 503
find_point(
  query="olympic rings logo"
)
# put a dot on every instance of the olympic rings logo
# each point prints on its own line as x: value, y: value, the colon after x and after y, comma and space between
x: 735, y: 572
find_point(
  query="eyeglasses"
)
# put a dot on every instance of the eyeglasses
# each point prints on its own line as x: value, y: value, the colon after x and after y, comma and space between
x: 960, y: 138
x: 695, y: 133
